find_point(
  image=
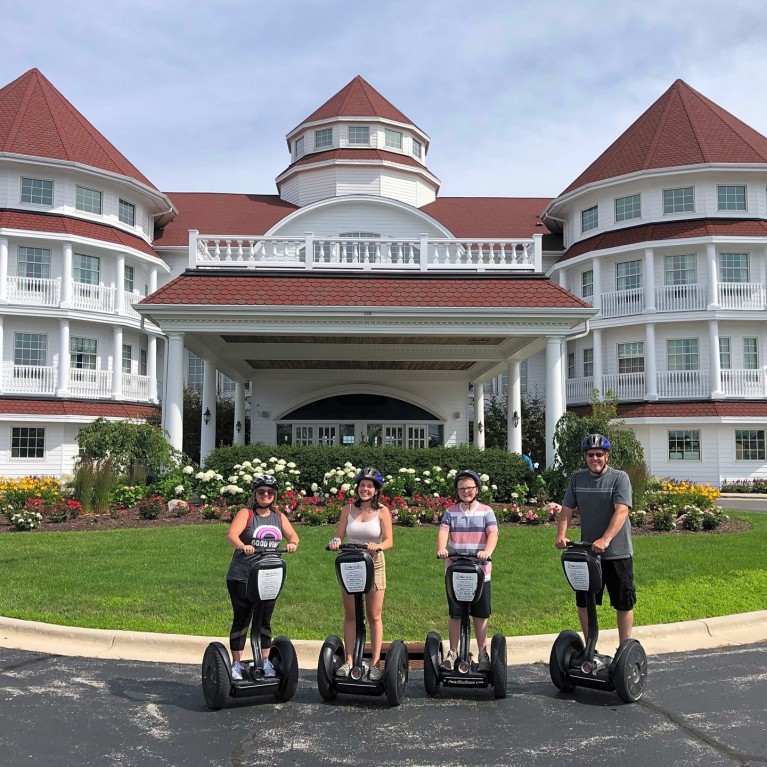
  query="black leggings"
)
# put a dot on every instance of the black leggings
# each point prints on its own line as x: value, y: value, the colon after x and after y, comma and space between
x: 242, y: 608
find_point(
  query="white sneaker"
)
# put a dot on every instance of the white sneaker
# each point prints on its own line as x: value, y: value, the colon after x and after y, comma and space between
x: 269, y: 669
x: 237, y: 671
x: 449, y: 662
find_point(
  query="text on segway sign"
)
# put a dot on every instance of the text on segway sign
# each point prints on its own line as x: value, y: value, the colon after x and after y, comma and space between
x: 269, y: 583
x: 464, y: 586
x: 354, y: 576
x: 577, y: 574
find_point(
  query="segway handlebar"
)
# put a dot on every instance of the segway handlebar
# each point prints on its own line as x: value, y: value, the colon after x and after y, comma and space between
x: 578, y: 545
x: 472, y: 557
x: 351, y: 547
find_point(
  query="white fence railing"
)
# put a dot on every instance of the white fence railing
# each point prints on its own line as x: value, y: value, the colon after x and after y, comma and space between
x: 135, y: 387
x: 29, y: 379
x: 744, y: 383
x: 90, y: 383
x: 742, y: 295
x: 625, y: 386
x: 35, y: 291
x: 95, y: 298
x: 621, y: 303
x: 680, y: 298
x: 683, y: 384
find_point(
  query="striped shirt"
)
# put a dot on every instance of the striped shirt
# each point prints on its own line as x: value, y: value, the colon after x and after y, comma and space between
x: 469, y: 530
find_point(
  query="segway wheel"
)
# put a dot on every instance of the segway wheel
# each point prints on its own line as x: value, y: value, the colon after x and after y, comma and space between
x: 216, y: 678
x: 498, y: 665
x: 432, y: 657
x: 567, y: 644
x: 395, y: 673
x: 283, y: 656
x: 630, y: 671
x: 331, y: 657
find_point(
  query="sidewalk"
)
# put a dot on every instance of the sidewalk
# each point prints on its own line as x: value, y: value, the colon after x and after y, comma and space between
x: 745, y: 628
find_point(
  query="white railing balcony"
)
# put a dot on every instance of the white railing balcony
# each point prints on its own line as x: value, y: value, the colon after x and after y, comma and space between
x: 680, y: 298
x: 28, y: 379
x: 579, y: 390
x: 749, y: 384
x: 742, y: 295
x: 96, y: 298
x: 683, y: 384
x: 135, y: 387
x: 622, y: 303
x: 35, y: 291
x: 91, y: 384
x: 128, y: 300
x: 625, y: 386
x: 355, y: 253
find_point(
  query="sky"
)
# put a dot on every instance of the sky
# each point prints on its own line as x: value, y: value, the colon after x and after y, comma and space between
x: 518, y: 97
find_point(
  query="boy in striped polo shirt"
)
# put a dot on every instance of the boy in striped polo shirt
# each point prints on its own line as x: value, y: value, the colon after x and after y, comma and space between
x: 468, y: 527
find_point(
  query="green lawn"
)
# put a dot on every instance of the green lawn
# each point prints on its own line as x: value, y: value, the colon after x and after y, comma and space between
x: 172, y: 580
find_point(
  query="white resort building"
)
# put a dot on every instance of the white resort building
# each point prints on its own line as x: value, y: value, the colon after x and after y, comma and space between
x: 356, y: 304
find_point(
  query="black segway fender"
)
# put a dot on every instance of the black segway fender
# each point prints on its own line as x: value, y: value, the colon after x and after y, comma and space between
x: 432, y: 657
x: 396, y: 673
x: 498, y: 665
x: 283, y: 656
x: 216, y: 676
x: 628, y: 671
x: 331, y: 656
x: 565, y: 646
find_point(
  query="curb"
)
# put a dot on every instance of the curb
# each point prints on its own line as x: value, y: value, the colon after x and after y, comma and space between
x: 706, y: 633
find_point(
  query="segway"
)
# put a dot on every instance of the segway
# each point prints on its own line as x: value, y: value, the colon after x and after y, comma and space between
x: 355, y: 571
x: 265, y: 580
x: 571, y: 665
x: 464, y: 582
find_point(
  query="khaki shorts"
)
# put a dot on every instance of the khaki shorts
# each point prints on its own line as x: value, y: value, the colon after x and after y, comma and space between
x: 379, y: 565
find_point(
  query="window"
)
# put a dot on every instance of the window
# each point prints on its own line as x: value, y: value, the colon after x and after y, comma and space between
x: 88, y: 200
x: 27, y: 442
x: 588, y: 363
x: 129, y: 279
x: 127, y: 213
x: 628, y: 275
x: 227, y: 384
x: 304, y: 435
x: 417, y: 436
x: 127, y: 359
x: 394, y: 436
x: 684, y: 445
x: 359, y: 134
x: 142, y: 362
x: 83, y: 353
x: 571, y: 365
x: 587, y: 284
x: 30, y: 349
x: 86, y: 269
x: 680, y: 270
x: 749, y: 445
x: 680, y: 200
x: 298, y: 147
x: 750, y: 354
x: 36, y: 191
x: 589, y: 219
x: 631, y: 357
x: 417, y: 149
x: 725, y: 354
x: 627, y: 208
x: 34, y: 263
x: 522, y: 377
x: 195, y: 372
x: 323, y: 138
x: 682, y: 354
x: 733, y: 267
x: 393, y: 138
x: 731, y: 197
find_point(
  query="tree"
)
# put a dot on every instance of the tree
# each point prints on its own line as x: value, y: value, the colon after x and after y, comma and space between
x: 533, y: 426
x: 193, y: 423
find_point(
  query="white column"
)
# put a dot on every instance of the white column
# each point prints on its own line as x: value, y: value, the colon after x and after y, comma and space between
x: 252, y: 411
x: 117, y: 363
x: 649, y: 280
x: 120, y: 286
x: 1, y: 346
x: 66, y: 276
x: 596, y: 299
x: 63, y: 371
x: 650, y: 362
x: 514, y: 405
x: 208, y: 433
x: 239, y: 412
x: 151, y: 366
x: 173, y: 401
x: 713, y: 277
x: 152, y: 280
x: 596, y: 337
x: 715, y: 363
x: 3, y: 268
x: 479, y: 415
x: 555, y: 399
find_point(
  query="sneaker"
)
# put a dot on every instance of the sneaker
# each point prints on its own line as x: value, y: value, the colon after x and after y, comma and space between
x: 237, y: 671
x: 344, y: 670
x: 269, y: 669
x: 449, y: 662
x: 484, y: 662
x: 375, y: 674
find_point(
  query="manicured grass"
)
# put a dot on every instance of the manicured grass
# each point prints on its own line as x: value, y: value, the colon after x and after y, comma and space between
x: 172, y: 580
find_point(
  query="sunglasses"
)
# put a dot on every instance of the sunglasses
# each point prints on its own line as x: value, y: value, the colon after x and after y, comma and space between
x: 595, y: 455
x: 264, y: 492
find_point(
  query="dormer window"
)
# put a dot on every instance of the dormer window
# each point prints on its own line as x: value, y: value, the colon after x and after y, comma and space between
x: 323, y: 139
x: 359, y: 134
x: 417, y: 149
x: 298, y: 148
x: 731, y: 197
x: 393, y: 138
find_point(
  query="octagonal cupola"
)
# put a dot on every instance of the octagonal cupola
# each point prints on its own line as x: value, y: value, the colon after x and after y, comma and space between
x: 357, y: 142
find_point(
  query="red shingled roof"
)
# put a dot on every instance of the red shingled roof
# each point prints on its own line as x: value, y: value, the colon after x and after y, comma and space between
x: 490, y: 216
x: 36, y: 120
x: 356, y: 154
x: 323, y: 290
x: 682, y: 127
x: 357, y: 99
x: 62, y: 407
x: 56, y: 224
x: 701, y: 409
x: 668, y: 230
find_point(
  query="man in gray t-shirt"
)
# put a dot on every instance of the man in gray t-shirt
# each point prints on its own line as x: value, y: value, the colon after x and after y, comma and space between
x: 602, y: 496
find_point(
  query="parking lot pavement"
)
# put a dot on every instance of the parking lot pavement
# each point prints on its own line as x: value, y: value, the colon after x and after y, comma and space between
x: 705, y: 707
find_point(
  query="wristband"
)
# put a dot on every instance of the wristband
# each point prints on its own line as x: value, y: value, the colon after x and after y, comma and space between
x: 335, y: 540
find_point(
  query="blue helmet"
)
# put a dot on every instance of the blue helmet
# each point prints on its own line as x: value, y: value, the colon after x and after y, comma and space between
x: 468, y: 473
x: 372, y: 474
x: 595, y: 442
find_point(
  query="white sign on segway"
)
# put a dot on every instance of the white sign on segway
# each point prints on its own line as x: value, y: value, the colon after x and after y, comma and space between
x: 354, y: 576
x: 464, y: 586
x: 577, y: 573
x: 269, y: 583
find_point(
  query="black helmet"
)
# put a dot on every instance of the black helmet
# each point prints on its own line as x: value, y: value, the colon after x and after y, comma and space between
x: 372, y: 474
x: 595, y: 442
x: 264, y: 480
x: 471, y: 475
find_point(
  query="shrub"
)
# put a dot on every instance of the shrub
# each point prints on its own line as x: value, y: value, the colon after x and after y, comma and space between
x: 508, y: 514
x: 712, y: 518
x: 691, y: 518
x: 638, y: 517
x: 151, y: 508
x: 663, y: 519
x: 213, y: 511
x: 64, y: 510
x: 26, y: 520
x: 127, y: 496
x: 756, y: 485
x: 531, y: 518
x: 92, y: 484
x: 14, y: 493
